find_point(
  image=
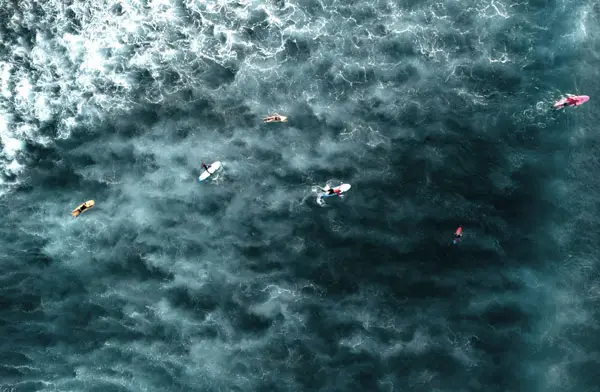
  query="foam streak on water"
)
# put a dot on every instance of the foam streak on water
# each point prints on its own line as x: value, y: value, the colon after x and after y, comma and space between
x: 438, y: 115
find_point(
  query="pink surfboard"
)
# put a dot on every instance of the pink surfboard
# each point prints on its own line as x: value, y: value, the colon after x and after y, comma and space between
x: 579, y: 100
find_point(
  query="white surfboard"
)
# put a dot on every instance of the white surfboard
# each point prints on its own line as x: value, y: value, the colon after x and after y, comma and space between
x: 343, y: 188
x: 211, y: 169
x: 271, y: 119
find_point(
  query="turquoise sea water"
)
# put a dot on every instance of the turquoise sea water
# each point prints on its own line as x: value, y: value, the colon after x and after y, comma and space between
x: 437, y: 113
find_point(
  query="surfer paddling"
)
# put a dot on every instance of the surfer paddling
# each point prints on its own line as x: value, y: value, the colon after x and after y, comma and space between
x: 276, y: 117
x: 571, y: 100
x: 457, y: 235
x: 82, y: 207
x: 330, y: 191
x: 337, y: 191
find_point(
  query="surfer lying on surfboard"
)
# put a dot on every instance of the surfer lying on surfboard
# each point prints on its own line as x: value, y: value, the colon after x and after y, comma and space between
x: 457, y: 235
x: 205, y: 167
x: 82, y: 207
x: 339, y: 190
x: 276, y: 117
x: 330, y: 191
x: 571, y: 100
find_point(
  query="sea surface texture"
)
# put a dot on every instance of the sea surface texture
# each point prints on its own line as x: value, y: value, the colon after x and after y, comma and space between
x: 438, y: 113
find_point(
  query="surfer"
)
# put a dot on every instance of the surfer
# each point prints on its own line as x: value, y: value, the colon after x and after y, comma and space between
x: 276, y: 117
x: 570, y: 100
x: 457, y: 235
x: 83, y: 207
x: 209, y: 170
x: 329, y: 191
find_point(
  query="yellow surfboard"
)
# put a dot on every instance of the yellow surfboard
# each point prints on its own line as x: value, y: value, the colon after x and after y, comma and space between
x: 82, y: 207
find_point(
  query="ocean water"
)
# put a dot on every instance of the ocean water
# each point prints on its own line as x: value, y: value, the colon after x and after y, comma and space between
x: 437, y: 113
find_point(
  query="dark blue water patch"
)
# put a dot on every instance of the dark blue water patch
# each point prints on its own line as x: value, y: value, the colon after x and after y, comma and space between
x: 541, y: 7
x: 49, y: 129
x: 129, y: 126
x: 398, y: 48
x: 547, y: 59
x: 314, y: 8
x: 361, y: 76
x: 503, y: 360
x: 497, y: 281
x: 319, y: 67
x: 105, y: 386
x: 380, y: 30
x: 160, y: 374
x: 15, y: 300
x: 587, y: 374
x: 413, y: 115
x: 258, y: 262
x: 492, y: 77
x: 340, y: 265
x: 297, y: 51
x: 585, y: 242
x: 124, y: 155
x: 312, y: 375
x: 74, y: 328
x: 214, y: 75
x: 361, y: 370
x: 507, y: 316
x: 47, y: 170
x: 37, y: 155
x: 266, y: 154
x: 217, y: 115
x: 325, y: 329
x: 15, y: 358
x: 120, y: 330
x: 516, y: 39
x: 113, y: 328
x: 114, y: 366
x: 19, y: 248
x: 199, y: 301
x: 362, y: 13
x: 25, y: 386
x: 460, y: 44
x: 392, y: 114
x: 175, y: 112
x: 126, y: 261
x: 450, y: 369
x: 253, y: 324
x: 258, y: 30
